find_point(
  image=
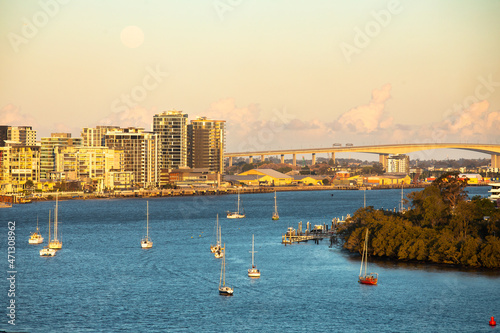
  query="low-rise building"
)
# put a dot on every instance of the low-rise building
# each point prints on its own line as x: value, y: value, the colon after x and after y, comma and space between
x: 308, y: 180
x: 193, y: 177
x: 270, y: 177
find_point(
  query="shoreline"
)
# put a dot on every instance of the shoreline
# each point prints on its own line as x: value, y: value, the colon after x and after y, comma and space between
x: 201, y: 191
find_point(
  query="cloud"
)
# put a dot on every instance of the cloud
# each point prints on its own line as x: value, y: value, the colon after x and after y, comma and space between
x: 11, y: 115
x: 135, y: 117
x: 367, y: 118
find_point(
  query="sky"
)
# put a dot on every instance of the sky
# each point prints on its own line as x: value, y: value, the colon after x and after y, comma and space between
x: 284, y: 74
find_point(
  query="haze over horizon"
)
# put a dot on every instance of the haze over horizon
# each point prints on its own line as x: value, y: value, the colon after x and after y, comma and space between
x: 286, y: 74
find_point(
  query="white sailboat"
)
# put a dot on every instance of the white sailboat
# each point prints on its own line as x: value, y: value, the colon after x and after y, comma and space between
x: 223, y: 289
x: 253, y: 272
x: 55, y: 243
x: 216, y: 247
x: 47, y: 251
x: 146, y: 242
x: 36, y: 237
x: 275, y: 214
x: 237, y: 214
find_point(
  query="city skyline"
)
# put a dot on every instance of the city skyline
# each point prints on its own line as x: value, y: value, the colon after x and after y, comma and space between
x: 282, y: 75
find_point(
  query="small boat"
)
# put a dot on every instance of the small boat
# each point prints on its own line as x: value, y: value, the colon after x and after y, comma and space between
x: 253, y: 272
x: 216, y: 247
x: 223, y: 289
x: 237, y: 214
x: 36, y: 237
x: 47, y: 252
x: 55, y: 243
x: 146, y: 242
x: 275, y: 214
x: 366, y: 278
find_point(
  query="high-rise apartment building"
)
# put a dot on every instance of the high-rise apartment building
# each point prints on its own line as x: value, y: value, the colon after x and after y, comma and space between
x: 398, y: 164
x: 3, y: 134
x: 49, y: 150
x: 89, y: 164
x: 94, y: 137
x: 171, y: 128
x: 25, y: 135
x: 140, y: 153
x: 206, y: 143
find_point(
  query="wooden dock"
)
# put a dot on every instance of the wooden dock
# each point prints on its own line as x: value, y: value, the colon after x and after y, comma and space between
x: 315, y: 234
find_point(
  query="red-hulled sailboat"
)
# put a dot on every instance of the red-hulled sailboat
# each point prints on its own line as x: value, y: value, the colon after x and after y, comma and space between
x: 366, y: 278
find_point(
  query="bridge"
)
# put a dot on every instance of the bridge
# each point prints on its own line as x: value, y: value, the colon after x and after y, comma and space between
x: 382, y: 150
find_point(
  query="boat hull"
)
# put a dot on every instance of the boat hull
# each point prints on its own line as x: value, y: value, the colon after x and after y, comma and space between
x: 146, y: 244
x: 226, y: 291
x: 35, y: 240
x: 254, y: 273
x: 47, y: 252
x: 55, y: 245
x: 370, y: 280
x: 235, y: 216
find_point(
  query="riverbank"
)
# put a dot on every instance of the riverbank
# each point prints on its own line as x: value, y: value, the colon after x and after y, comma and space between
x: 197, y: 191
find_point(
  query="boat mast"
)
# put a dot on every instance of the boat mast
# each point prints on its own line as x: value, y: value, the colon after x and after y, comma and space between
x: 217, y: 241
x: 366, y: 251
x: 252, y: 250
x: 49, y: 226
x: 147, y: 220
x: 55, y: 221
x: 402, y: 205
x: 275, y: 205
x: 238, y: 211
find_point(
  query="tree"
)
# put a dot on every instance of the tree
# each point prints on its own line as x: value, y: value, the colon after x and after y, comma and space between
x: 451, y: 187
x: 247, y: 167
x: 378, y: 168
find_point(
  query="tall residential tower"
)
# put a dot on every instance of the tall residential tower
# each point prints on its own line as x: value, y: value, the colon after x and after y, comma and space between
x: 171, y: 127
x: 206, y: 143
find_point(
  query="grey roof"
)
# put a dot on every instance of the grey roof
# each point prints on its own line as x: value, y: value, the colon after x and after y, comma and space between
x: 273, y: 173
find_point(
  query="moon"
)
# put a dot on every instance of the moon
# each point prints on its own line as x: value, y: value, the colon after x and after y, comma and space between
x: 132, y: 36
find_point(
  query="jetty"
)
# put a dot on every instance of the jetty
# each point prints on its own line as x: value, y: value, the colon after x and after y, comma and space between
x: 317, y: 233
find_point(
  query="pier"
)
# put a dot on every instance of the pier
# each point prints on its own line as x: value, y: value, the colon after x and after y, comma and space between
x: 315, y: 234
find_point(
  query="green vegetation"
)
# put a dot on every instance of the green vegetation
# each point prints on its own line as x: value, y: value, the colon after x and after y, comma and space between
x: 442, y: 226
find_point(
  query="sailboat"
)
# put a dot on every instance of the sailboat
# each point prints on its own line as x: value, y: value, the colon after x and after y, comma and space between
x: 146, y: 242
x: 275, y: 214
x: 219, y: 251
x: 223, y: 289
x: 237, y: 214
x: 253, y: 272
x: 36, y: 237
x: 47, y: 251
x: 364, y: 277
x: 216, y: 247
x: 55, y: 243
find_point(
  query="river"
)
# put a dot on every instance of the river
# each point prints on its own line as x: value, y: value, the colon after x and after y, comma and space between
x: 102, y: 281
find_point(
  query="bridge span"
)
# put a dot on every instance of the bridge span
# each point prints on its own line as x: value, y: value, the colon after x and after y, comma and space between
x: 382, y: 150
